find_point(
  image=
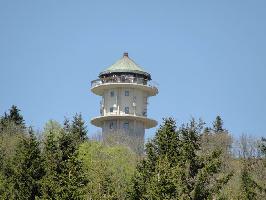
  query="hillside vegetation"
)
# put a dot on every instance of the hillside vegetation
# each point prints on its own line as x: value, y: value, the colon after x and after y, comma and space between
x: 188, y: 162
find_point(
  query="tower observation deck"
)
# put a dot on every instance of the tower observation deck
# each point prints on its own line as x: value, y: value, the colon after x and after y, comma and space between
x: 125, y: 88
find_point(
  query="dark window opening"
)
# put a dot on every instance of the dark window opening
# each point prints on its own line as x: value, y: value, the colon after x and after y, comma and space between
x: 112, y: 93
x: 126, y: 110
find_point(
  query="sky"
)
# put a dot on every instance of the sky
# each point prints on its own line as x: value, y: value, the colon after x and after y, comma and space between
x: 208, y: 58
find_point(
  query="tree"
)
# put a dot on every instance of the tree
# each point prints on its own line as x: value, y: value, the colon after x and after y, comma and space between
x: 173, y: 167
x: 52, y: 127
x: 252, y: 174
x: 109, y: 169
x: 28, y: 168
x: 78, y: 128
x: 250, y: 187
x: 262, y: 146
x: 11, y: 135
x: 51, y: 154
x: 13, y: 116
x: 218, y: 137
x: 64, y: 176
x: 218, y: 125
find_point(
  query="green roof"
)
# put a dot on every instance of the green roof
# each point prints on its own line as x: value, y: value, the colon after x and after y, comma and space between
x: 125, y: 64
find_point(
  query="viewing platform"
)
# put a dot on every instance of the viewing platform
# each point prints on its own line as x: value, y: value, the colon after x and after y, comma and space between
x: 99, y: 85
x: 148, y: 123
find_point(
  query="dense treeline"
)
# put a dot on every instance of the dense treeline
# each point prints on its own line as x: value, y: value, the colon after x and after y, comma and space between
x: 189, y: 161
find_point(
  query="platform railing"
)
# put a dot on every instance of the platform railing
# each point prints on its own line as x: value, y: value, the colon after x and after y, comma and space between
x: 116, y: 113
x: 140, y: 81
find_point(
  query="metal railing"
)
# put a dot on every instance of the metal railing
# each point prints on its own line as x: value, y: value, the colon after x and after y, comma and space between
x: 116, y: 113
x: 134, y: 80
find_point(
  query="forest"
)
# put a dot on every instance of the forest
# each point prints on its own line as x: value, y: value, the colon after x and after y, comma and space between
x: 186, y: 161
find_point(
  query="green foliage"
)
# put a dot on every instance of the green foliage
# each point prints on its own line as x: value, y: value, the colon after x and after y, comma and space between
x: 52, y: 128
x: 186, y: 162
x: 250, y: 188
x: 78, y: 129
x: 218, y: 138
x: 10, y: 136
x: 28, y: 168
x: 13, y: 116
x: 218, y: 125
x: 64, y: 177
x: 174, y: 168
x: 248, y: 185
x: 262, y: 146
x: 108, y: 168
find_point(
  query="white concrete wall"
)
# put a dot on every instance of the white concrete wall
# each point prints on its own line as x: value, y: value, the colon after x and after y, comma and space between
x: 135, y: 132
x: 135, y: 128
x: 121, y: 101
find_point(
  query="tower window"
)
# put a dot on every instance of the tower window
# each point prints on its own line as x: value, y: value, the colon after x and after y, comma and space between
x: 111, y: 125
x: 126, y: 110
x: 126, y: 93
x: 111, y: 109
x: 126, y: 125
x: 112, y: 93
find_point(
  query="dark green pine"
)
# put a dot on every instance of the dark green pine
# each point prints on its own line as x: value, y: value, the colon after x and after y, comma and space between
x: 218, y: 125
x: 174, y: 168
x: 78, y: 129
x: 28, y: 168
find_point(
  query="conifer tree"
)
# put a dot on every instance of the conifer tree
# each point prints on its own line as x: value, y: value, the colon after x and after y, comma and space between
x: 218, y: 125
x: 248, y: 185
x: 15, y: 116
x: 64, y: 178
x: 78, y: 129
x: 52, y: 159
x: 6, y: 176
x: 66, y: 125
x: 173, y: 167
x: 10, y: 135
x: 218, y: 137
x: 12, y: 118
x: 28, y: 168
x: 262, y: 146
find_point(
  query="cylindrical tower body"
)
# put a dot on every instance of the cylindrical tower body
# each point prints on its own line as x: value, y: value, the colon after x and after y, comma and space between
x: 125, y: 89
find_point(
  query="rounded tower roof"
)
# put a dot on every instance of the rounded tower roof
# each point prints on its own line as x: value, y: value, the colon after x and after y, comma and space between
x: 125, y: 65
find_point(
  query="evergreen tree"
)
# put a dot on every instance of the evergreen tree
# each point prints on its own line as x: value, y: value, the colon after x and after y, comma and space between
x: 66, y: 125
x: 6, y: 175
x: 28, y: 168
x: 64, y: 177
x: 78, y: 128
x: 218, y: 125
x: 3, y: 122
x: 262, y: 146
x: 248, y: 185
x: 10, y: 136
x: 13, y: 116
x: 174, y: 168
x: 52, y: 158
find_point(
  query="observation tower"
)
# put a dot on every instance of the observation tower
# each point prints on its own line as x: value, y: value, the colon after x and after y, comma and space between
x: 125, y: 88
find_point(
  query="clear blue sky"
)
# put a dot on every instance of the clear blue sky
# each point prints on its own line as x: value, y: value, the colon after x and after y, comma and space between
x: 209, y: 58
